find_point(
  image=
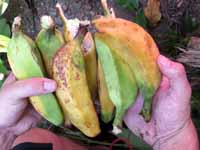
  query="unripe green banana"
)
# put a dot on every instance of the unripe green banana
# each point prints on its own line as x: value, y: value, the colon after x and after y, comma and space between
x: 25, y: 62
x: 106, y: 104
x: 90, y: 58
x: 49, y: 40
x: 122, y: 87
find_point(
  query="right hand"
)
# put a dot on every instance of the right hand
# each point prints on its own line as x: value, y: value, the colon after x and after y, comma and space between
x: 170, y: 108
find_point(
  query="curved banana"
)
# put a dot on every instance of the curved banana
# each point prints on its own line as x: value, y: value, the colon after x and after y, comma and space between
x: 73, y: 92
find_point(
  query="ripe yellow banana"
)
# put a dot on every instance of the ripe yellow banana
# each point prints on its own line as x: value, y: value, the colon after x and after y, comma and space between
x: 25, y: 62
x: 135, y: 47
x: 106, y: 104
x: 90, y: 58
x: 73, y: 92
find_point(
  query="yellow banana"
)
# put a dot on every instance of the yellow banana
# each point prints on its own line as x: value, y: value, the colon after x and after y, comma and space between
x: 73, y: 92
x: 89, y: 52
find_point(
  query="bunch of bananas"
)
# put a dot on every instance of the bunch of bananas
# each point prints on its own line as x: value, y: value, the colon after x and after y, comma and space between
x: 112, y: 64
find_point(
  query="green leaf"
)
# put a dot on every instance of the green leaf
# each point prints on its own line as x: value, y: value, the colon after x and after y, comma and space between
x: 140, y: 19
x: 129, y: 4
x: 3, y: 71
x: 4, y: 28
x: 136, y: 141
x: 3, y: 6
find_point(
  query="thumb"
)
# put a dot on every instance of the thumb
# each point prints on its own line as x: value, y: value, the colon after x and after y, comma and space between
x: 26, y: 88
x: 175, y: 72
x: 136, y: 122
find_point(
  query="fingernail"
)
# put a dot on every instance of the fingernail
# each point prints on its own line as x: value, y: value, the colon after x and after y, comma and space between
x: 162, y: 60
x: 49, y: 85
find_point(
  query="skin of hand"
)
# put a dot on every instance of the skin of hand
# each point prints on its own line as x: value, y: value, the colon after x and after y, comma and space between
x: 17, y: 116
x: 170, y: 109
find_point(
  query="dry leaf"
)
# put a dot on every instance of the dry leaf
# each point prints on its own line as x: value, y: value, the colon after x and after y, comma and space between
x: 191, y: 55
x: 152, y: 11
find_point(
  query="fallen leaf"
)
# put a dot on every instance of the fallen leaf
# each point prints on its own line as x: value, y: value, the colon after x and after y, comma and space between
x: 152, y: 11
x: 191, y: 55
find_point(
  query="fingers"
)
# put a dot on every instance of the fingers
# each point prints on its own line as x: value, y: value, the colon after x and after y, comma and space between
x: 137, y: 106
x: 176, y: 74
x: 139, y: 127
x: 10, y: 79
x: 29, y: 87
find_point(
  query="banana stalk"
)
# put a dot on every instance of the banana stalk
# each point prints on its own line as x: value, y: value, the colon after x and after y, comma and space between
x: 25, y: 62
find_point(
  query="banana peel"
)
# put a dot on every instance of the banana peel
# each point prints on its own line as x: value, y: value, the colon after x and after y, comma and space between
x: 25, y: 62
x: 136, y: 47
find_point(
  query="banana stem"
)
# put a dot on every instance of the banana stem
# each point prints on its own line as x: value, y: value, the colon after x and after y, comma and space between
x: 67, y: 33
x: 105, y: 7
x: 16, y: 26
x: 107, y: 12
x: 4, y: 40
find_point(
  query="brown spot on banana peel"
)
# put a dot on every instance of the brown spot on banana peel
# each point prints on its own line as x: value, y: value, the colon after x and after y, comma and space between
x: 137, y: 47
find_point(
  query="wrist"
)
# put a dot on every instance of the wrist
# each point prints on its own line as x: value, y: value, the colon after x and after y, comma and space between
x: 6, y: 139
x: 184, y: 139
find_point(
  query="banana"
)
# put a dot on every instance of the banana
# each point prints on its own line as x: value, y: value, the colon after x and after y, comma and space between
x: 25, y: 62
x: 90, y: 58
x: 49, y: 40
x: 122, y: 87
x: 107, y: 106
x: 73, y: 92
x: 135, y: 47
x: 4, y: 40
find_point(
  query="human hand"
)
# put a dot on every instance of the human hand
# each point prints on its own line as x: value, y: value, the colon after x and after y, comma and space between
x: 170, y: 108
x: 17, y: 116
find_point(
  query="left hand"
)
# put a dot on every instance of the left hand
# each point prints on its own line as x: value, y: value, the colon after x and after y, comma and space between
x: 17, y: 116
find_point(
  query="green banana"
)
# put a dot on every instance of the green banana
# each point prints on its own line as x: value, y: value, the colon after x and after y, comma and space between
x: 25, y: 62
x: 49, y: 40
x: 122, y: 87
